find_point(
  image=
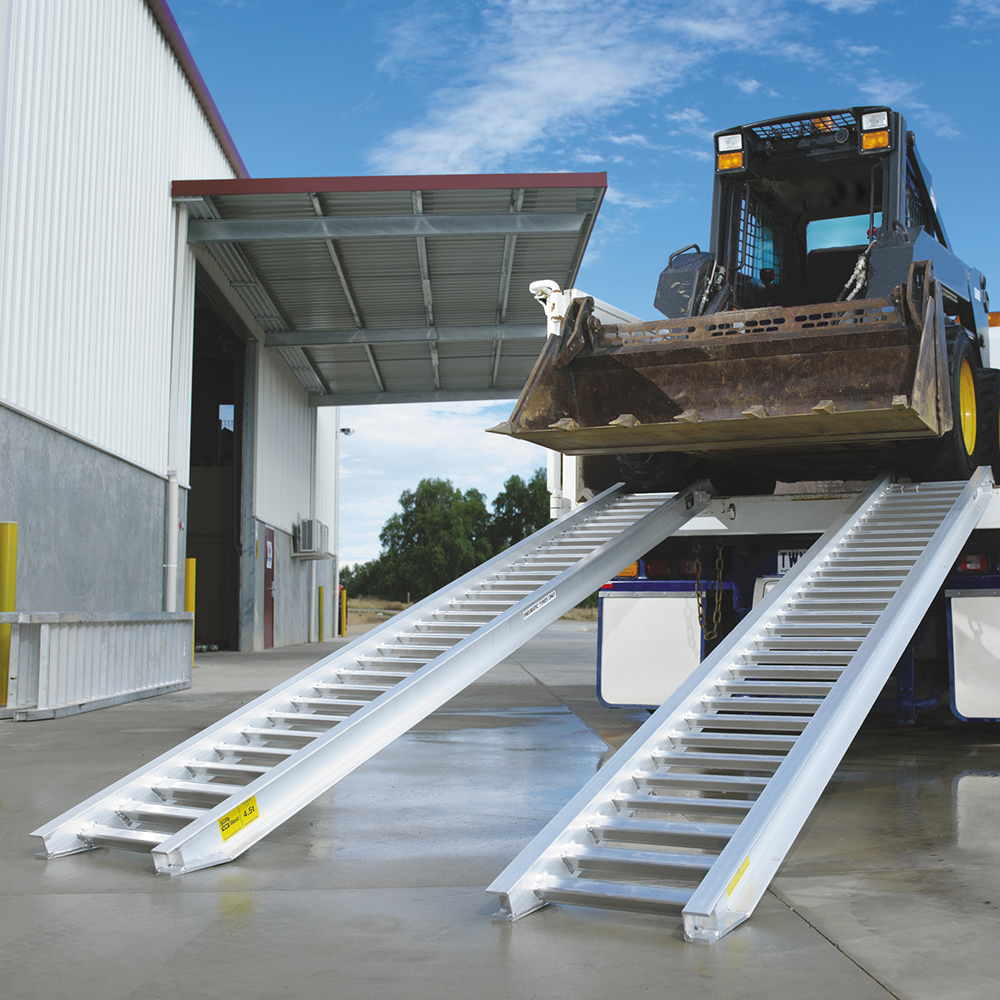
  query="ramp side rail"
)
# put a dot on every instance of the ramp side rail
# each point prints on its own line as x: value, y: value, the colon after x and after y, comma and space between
x: 212, y: 797
x: 695, y: 813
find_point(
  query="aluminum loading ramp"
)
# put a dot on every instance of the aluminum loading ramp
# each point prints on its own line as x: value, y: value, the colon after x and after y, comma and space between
x: 209, y: 799
x: 694, y: 814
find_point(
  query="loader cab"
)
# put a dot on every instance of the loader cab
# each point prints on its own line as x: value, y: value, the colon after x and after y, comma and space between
x: 798, y: 201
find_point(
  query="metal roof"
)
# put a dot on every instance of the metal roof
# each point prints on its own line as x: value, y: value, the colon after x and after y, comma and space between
x: 398, y: 289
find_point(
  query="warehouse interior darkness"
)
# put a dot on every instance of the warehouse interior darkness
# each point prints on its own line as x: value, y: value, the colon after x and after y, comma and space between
x: 214, y: 501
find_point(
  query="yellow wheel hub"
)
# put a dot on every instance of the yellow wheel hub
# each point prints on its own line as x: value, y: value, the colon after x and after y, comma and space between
x: 967, y: 406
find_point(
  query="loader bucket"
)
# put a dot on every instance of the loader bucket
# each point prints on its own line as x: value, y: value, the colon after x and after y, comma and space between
x: 785, y: 382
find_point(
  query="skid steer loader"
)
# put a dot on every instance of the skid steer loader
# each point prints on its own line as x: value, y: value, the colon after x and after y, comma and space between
x: 828, y: 333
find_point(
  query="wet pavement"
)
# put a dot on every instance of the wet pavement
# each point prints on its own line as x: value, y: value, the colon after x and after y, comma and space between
x: 376, y: 889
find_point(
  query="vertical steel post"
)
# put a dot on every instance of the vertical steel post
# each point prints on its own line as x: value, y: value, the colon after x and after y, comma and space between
x: 8, y: 590
x: 343, y: 612
x: 190, y: 577
x: 320, y: 609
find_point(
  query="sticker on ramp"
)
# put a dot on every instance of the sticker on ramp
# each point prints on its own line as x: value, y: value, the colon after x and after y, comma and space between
x: 739, y: 874
x: 238, y: 818
x: 538, y: 605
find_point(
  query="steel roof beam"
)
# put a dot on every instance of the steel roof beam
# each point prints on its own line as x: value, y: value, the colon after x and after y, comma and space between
x: 435, y: 365
x: 433, y: 396
x: 425, y: 273
x: 358, y: 227
x: 495, y: 367
x: 441, y: 334
x: 375, y: 371
x: 335, y: 257
x: 507, y: 266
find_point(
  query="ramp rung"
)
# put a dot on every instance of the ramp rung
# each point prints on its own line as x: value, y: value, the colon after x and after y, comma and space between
x: 718, y: 761
x: 278, y: 735
x: 762, y: 703
x: 796, y: 658
x: 700, y: 782
x: 683, y: 805
x: 639, y: 897
x: 334, y: 688
x: 765, y: 689
x: 792, y: 628
x: 648, y: 831
x: 734, y: 741
x: 773, y: 641
x: 223, y: 769
x: 146, y: 811
x: 216, y: 790
x: 275, y: 754
x: 368, y: 667
x: 304, y: 719
x: 342, y: 707
x: 129, y: 840
x: 786, y: 673
x: 750, y: 723
x: 397, y: 653
x: 657, y: 864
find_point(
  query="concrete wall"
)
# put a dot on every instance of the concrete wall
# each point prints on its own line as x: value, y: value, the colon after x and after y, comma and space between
x: 90, y: 526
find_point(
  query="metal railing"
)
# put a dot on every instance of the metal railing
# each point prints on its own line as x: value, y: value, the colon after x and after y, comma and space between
x: 67, y: 662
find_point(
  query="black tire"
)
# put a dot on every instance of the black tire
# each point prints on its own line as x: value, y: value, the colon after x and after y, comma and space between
x: 959, y: 453
x: 988, y: 386
x: 657, y: 472
x: 729, y: 481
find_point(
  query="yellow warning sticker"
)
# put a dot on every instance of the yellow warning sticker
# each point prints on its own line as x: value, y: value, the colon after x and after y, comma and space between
x: 235, y: 820
x: 732, y: 884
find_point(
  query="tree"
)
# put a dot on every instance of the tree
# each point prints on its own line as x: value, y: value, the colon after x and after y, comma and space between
x: 441, y: 533
x: 519, y: 510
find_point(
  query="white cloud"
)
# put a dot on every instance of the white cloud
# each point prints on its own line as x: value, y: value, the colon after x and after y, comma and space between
x: 615, y: 196
x: 536, y: 70
x: 628, y: 140
x: 530, y: 78
x: 973, y: 12
x: 394, y: 447
x: 845, y: 6
x: 900, y: 95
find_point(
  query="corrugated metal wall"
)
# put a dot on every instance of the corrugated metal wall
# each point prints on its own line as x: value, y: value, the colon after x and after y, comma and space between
x: 100, y: 120
x: 286, y: 434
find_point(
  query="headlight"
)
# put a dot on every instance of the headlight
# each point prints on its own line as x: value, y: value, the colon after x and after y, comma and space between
x: 727, y: 143
x: 875, y: 119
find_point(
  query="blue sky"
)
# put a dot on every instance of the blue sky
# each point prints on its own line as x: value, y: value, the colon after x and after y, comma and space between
x: 311, y: 88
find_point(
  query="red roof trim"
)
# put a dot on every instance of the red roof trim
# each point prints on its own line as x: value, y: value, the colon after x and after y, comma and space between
x: 414, y: 182
x: 172, y: 33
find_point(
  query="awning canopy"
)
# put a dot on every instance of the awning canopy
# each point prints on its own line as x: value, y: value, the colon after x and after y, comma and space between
x: 398, y: 289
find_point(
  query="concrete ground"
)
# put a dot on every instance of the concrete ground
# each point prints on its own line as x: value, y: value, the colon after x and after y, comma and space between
x: 376, y: 889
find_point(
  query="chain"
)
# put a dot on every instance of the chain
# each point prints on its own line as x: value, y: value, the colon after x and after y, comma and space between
x: 699, y: 594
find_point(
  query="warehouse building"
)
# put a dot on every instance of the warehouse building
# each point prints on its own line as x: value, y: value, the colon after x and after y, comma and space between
x: 176, y: 339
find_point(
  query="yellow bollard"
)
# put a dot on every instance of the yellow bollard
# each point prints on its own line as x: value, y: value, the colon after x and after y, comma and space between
x: 343, y: 612
x: 320, y: 608
x: 8, y: 591
x: 190, y: 578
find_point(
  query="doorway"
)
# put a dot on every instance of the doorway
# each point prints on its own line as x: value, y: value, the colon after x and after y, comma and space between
x: 214, y: 502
